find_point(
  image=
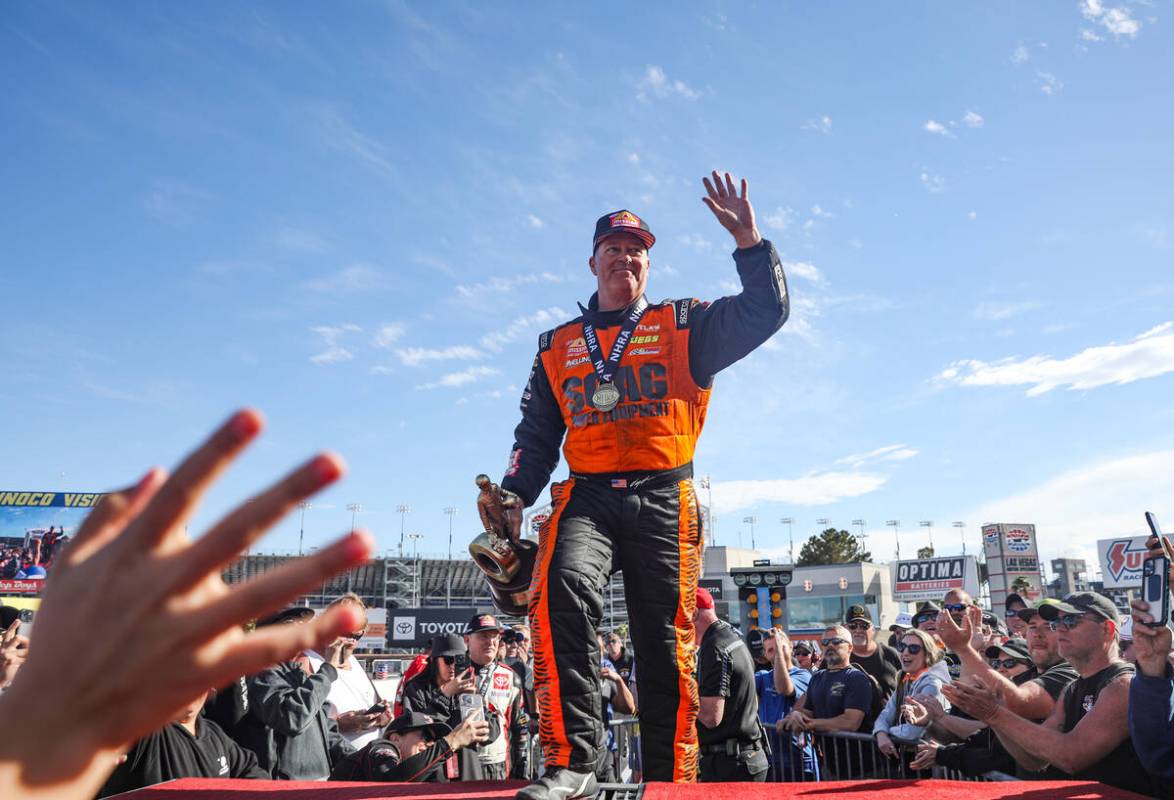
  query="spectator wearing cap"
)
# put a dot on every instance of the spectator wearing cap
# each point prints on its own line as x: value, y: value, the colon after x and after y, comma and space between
x: 805, y: 655
x: 1151, y: 693
x: 614, y: 696
x: 994, y: 629
x: 1125, y: 641
x: 877, y: 659
x: 1034, y: 698
x: 902, y: 623
x: 505, y: 752
x: 413, y: 749
x: 926, y: 617
x: 1086, y: 736
x: 728, y: 732
x: 778, y: 689
x: 287, y: 725
x: 1016, y: 625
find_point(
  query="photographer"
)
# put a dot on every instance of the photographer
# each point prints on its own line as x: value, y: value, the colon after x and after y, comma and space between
x: 1151, y: 692
x: 413, y: 750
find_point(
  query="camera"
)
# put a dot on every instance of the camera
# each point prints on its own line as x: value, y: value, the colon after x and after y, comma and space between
x: 461, y: 663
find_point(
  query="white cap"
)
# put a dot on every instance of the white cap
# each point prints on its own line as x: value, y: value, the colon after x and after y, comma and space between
x: 903, y: 620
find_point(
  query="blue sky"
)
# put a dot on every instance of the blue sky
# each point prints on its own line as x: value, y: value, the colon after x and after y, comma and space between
x: 359, y: 216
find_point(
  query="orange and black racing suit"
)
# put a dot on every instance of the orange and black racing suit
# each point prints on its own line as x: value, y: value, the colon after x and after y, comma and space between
x: 629, y: 504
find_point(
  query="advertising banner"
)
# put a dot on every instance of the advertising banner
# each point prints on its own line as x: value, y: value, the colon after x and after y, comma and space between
x: 1121, y: 561
x: 1012, y: 557
x: 931, y: 578
x: 714, y: 585
x: 413, y: 628
x: 34, y: 528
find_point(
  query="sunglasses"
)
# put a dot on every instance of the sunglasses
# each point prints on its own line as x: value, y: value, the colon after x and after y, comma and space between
x: 450, y: 660
x: 832, y: 642
x: 1006, y: 663
x: 858, y: 626
x: 1009, y: 613
x: 913, y: 649
x: 802, y: 651
x: 1066, y: 622
x: 356, y: 636
x: 917, y: 621
x: 956, y: 607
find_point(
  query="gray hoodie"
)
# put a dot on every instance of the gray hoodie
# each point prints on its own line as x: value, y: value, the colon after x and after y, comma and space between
x: 929, y: 682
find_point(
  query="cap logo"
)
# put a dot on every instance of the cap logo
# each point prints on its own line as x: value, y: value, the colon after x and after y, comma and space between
x: 487, y: 622
x: 625, y: 219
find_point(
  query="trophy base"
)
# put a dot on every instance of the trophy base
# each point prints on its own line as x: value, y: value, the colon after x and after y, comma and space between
x: 508, y: 566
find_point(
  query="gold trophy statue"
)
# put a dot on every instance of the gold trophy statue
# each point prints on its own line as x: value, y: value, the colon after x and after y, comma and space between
x: 500, y: 552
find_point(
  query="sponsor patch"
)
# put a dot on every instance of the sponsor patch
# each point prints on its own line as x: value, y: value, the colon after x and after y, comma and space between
x: 576, y: 347
x: 501, y: 682
x: 574, y: 362
x: 643, y: 351
x: 645, y: 339
x: 647, y: 328
x: 625, y: 219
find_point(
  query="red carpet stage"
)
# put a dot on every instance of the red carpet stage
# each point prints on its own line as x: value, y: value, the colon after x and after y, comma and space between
x: 206, y: 789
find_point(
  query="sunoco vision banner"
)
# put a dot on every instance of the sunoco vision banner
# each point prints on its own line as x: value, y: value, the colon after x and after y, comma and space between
x: 34, y: 529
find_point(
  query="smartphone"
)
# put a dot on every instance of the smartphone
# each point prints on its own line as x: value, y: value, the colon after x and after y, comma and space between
x: 1155, y: 575
x: 1152, y: 521
x: 378, y: 708
x: 472, y: 705
x: 461, y: 663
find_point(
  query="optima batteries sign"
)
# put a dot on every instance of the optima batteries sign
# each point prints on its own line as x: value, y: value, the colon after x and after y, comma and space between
x: 412, y: 628
x: 931, y: 578
x: 1121, y: 561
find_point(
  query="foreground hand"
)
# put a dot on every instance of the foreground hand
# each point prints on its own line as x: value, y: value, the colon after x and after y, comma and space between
x: 335, y: 652
x: 609, y: 674
x: 914, y: 712
x: 358, y: 721
x: 460, y: 684
x: 975, y: 699
x: 178, y: 627
x: 931, y: 704
x: 796, y: 722
x: 927, y: 755
x: 734, y: 213
x: 474, y: 730
x: 953, y: 637
x: 13, y: 652
x: 1150, y: 645
x: 885, y: 745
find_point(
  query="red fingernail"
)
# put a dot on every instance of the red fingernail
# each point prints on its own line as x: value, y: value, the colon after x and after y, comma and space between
x: 245, y: 424
x: 357, y: 546
x: 326, y: 469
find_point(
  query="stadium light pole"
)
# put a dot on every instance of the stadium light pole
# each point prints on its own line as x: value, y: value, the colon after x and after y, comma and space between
x: 751, y: 520
x: 707, y: 485
x: 451, y: 511
x: 402, y: 510
x: 789, y: 521
x: 961, y: 526
x: 860, y: 536
x: 302, y: 526
x: 416, y: 537
x: 895, y: 524
x: 354, y: 508
x: 928, y: 523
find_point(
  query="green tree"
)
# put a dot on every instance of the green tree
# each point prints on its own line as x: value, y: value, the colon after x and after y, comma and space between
x: 832, y: 547
x: 1020, y: 585
x: 925, y: 552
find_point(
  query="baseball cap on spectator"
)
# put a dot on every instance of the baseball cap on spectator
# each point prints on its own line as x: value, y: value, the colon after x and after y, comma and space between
x: 409, y: 721
x: 858, y: 612
x: 927, y: 609
x: 993, y: 622
x: 802, y: 648
x: 622, y: 221
x: 1028, y: 614
x: 1081, y: 603
x: 448, y: 644
x: 483, y: 622
x: 291, y: 614
x: 904, y: 621
x: 704, y: 598
x: 1016, y: 648
x: 1015, y: 597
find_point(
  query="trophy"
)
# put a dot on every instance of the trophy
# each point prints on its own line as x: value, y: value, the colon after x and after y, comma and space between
x: 500, y: 551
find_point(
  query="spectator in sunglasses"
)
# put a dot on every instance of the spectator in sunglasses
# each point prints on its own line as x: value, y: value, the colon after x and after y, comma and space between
x: 877, y: 659
x: 922, y: 674
x: 926, y: 617
x: 354, y: 702
x: 1087, y: 735
x: 1015, y: 623
x: 806, y: 656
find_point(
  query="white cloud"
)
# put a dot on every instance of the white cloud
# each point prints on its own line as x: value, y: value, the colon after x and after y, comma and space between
x: 331, y: 334
x: 991, y: 310
x: 821, y: 124
x: 657, y: 84
x: 339, y: 134
x: 1097, y: 500
x: 803, y: 269
x: 818, y: 211
x: 415, y: 356
x: 812, y: 489
x: 477, y: 290
x: 696, y: 242
x: 388, y: 334
x: 932, y: 183
x: 1147, y: 356
x: 1048, y: 83
x: 543, y: 318
x: 972, y: 215
x: 972, y: 119
x: 355, y: 279
x: 535, y: 222
x: 633, y: 158
x: 892, y: 452
x: 780, y: 218
x: 935, y: 127
x: 1020, y: 55
x: 1090, y: 36
x: 1116, y: 20
x: 465, y: 376
x: 665, y: 269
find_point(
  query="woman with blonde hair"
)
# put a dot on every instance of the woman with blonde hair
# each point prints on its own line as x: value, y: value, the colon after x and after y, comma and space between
x: 923, y: 672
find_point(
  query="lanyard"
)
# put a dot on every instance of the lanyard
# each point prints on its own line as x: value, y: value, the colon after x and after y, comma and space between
x: 606, y: 370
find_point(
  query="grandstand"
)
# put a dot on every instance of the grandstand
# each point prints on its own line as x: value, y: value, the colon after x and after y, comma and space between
x: 409, y: 583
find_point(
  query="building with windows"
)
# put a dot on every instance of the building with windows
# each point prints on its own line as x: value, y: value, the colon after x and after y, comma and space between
x: 1071, y: 576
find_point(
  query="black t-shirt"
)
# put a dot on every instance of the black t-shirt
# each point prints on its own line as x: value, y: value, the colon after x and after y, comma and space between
x: 884, y: 665
x: 1121, y: 766
x: 833, y: 691
x: 1056, y: 677
x: 725, y: 669
x: 173, y: 753
x: 623, y: 664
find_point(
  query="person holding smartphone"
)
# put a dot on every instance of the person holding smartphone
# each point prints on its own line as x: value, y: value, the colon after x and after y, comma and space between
x: 1151, y: 692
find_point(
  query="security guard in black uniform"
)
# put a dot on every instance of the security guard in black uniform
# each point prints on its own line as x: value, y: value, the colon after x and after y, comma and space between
x: 733, y: 747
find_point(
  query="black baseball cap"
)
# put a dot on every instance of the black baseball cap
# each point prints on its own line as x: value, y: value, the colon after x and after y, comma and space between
x: 483, y: 622
x: 291, y: 614
x: 1015, y: 597
x: 415, y: 721
x: 448, y: 644
x: 1016, y: 648
x: 927, y: 609
x: 1028, y: 614
x: 858, y: 612
x: 622, y: 221
x: 1082, y: 603
x: 994, y: 622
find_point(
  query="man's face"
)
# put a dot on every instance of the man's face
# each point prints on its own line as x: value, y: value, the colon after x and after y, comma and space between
x: 409, y: 743
x: 1080, y: 640
x: 614, y: 647
x: 956, y: 603
x: 804, y: 657
x: 620, y: 264
x: 483, y: 646
x: 862, y: 632
x: 928, y: 623
x: 1042, y: 643
x: 837, y: 646
x: 1015, y: 625
x: 768, y: 650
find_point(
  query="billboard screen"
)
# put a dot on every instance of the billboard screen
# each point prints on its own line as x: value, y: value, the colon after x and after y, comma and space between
x: 931, y: 578
x: 1121, y: 561
x: 34, y: 528
x: 413, y: 628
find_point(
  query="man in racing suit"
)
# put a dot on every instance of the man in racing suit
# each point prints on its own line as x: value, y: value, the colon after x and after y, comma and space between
x: 504, y: 755
x: 628, y: 384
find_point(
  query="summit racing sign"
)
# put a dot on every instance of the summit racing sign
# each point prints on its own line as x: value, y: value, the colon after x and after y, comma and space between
x: 930, y: 578
x: 1121, y: 561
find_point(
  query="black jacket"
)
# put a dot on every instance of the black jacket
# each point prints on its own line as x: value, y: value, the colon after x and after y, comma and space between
x: 380, y: 761
x: 421, y: 694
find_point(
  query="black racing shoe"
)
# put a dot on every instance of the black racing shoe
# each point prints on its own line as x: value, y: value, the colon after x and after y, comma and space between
x: 561, y: 784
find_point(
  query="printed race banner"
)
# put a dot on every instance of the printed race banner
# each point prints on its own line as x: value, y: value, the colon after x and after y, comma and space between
x: 931, y: 578
x: 413, y: 628
x: 1012, y: 559
x: 1121, y: 561
x: 34, y: 528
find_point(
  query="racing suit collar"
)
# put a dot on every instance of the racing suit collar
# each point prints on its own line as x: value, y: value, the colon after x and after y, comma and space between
x: 602, y: 319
